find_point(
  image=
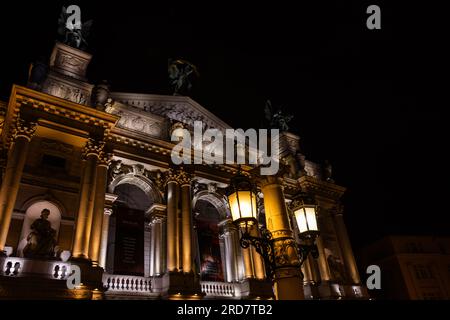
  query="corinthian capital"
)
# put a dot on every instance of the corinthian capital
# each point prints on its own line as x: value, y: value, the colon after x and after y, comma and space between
x: 184, y: 178
x: 94, y: 147
x: 170, y: 175
x: 24, y: 129
x: 104, y: 158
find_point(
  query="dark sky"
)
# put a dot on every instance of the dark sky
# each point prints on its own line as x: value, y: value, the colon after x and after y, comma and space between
x: 361, y: 98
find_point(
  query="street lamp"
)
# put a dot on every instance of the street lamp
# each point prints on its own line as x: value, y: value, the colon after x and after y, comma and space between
x: 305, y: 211
x: 242, y: 201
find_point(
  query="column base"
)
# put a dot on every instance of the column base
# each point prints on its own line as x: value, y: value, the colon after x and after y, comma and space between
x: 311, y: 291
x: 257, y: 289
x: 288, y: 284
x: 355, y: 291
x: 181, y: 286
x: 331, y: 291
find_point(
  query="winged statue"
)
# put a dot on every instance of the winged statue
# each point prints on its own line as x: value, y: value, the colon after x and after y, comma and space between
x: 181, y: 74
x: 277, y: 119
x: 74, y: 35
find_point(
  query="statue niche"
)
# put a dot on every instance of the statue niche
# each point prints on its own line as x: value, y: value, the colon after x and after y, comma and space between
x: 41, y: 240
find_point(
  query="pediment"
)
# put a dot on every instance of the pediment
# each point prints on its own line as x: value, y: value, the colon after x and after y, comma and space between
x: 178, y: 108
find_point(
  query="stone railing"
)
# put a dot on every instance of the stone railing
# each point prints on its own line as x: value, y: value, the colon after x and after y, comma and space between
x: 219, y: 289
x: 19, y: 267
x: 126, y: 284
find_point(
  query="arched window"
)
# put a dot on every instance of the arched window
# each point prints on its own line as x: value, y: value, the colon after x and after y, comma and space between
x: 32, y: 213
x: 210, y: 251
x: 129, y: 235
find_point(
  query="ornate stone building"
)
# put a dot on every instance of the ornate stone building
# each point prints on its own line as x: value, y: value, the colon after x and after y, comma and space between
x: 136, y: 225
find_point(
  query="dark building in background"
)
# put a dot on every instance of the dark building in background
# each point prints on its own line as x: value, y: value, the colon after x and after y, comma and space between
x: 412, y: 267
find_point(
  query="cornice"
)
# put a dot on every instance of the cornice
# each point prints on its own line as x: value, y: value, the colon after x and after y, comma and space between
x: 321, y: 188
x: 24, y: 100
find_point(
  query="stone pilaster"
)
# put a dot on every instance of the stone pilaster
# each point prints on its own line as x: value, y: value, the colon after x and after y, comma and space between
x: 91, y: 154
x: 231, y: 250
x: 172, y: 207
x: 346, y: 248
x: 17, y: 156
x: 99, y: 208
x: 157, y: 217
x: 184, y: 179
x: 108, y: 211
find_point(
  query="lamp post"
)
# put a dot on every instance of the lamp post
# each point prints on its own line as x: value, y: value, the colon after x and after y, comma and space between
x: 241, y: 196
x: 243, y: 205
x: 305, y: 212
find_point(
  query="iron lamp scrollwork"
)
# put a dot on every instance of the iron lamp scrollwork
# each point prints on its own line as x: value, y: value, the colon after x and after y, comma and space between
x: 242, y: 200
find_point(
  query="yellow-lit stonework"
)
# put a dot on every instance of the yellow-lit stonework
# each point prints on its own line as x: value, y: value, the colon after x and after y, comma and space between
x: 94, y: 165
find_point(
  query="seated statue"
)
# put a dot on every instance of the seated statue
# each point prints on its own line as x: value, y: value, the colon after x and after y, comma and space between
x: 41, y: 240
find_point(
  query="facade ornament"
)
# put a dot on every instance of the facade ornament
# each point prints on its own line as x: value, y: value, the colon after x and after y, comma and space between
x: 184, y: 178
x: 197, y: 187
x: 104, y: 158
x: 94, y: 147
x: 24, y: 129
x: 156, y: 176
x: 327, y: 170
x: 286, y: 253
x: 170, y: 175
x: 138, y: 169
x: 38, y: 74
x: 100, y: 94
x: 212, y: 187
x: 301, y: 162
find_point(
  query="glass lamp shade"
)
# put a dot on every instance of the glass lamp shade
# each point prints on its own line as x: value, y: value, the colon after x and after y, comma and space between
x: 306, y: 219
x: 242, y: 204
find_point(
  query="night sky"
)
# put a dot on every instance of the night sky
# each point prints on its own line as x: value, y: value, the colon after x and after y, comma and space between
x: 364, y: 99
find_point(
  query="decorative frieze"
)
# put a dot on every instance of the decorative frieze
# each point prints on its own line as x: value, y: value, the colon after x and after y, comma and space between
x: 178, y: 108
x: 138, y: 121
x: 70, y: 61
x: 286, y: 253
x: 75, y: 91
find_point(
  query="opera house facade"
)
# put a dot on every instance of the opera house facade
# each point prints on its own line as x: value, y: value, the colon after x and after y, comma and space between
x: 88, y: 186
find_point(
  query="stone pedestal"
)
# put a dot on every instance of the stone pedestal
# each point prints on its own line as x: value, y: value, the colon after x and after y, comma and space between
x: 22, y: 278
x: 181, y: 286
x: 256, y: 289
x: 67, y: 76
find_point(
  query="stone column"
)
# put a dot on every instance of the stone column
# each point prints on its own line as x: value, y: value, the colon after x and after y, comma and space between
x: 107, y: 212
x: 104, y: 241
x: 324, y: 269
x: 231, y: 266
x: 172, y: 207
x: 157, y: 213
x: 13, y: 173
x: 288, y: 283
x: 152, y: 247
x: 347, y: 252
x: 99, y: 209
x: 186, y: 221
x: 86, y: 206
x: 158, y: 266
